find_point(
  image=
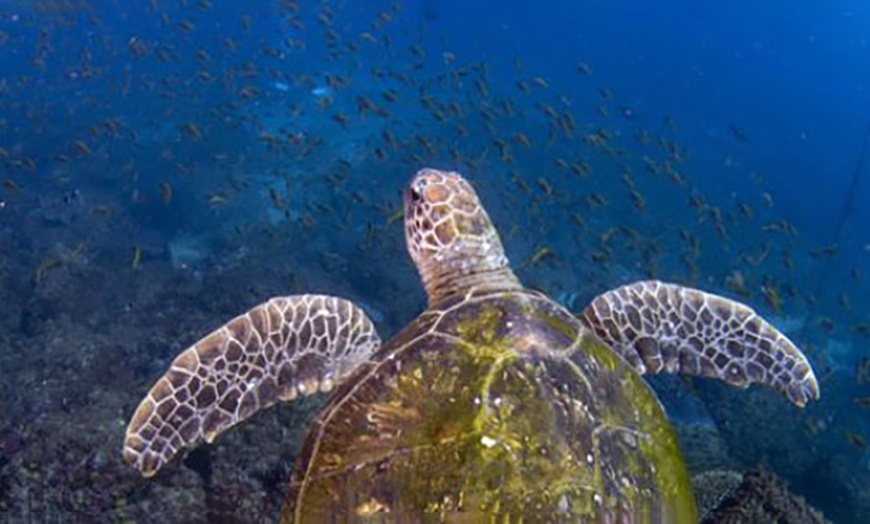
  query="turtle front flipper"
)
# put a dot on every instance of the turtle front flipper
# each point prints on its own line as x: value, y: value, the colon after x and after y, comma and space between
x: 275, y: 351
x: 657, y: 326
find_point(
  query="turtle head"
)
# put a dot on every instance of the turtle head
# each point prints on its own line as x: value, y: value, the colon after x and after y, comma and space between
x: 450, y: 236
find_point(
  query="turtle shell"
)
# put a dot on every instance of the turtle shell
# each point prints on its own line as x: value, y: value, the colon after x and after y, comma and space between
x: 492, y: 407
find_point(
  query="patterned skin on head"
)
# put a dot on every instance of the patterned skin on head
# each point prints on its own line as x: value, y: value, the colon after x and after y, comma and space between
x: 451, y: 238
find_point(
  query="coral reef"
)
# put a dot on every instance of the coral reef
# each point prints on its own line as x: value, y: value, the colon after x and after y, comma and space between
x: 712, y: 488
x: 759, y: 498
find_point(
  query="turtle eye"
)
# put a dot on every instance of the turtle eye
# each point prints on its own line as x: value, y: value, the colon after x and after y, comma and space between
x: 415, y: 195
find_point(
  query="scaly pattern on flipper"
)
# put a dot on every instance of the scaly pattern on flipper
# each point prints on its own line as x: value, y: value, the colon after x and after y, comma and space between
x: 275, y: 351
x: 657, y: 326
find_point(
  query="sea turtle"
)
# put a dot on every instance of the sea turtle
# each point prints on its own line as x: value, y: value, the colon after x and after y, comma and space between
x: 495, y: 405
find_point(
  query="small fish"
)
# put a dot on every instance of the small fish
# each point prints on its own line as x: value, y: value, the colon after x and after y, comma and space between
x: 637, y: 199
x: 771, y: 296
x: 856, y: 439
x: 862, y: 371
x: 580, y: 168
x: 627, y: 113
x: 738, y: 133
x: 395, y: 216
x: 43, y: 269
x: 250, y: 92
x: 844, y: 301
x: 364, y: 105
x: 137, y: 47
x: 863, y: 402
x: 358, y: 197
x: 340, y: 119
x: 599, y: 256
x: 165, y: 193
x: 541, y: 82
x: 137, y: 257
x: 385, y: 16
x: 481, y: 87
x: 389, y: 138
x: 81, y: 147
x: 545, y: 186
x: 643, y: 137
x: 605, y: 237
x: 736, y: 282
x: 277, y: 201
x: 541, y: 253
x: 828, y: 251
x: 521, y: 138
x: 192, y: 130
x: 102, y: 210
x: 826, y: 323
x: 595, y: 200
x: 217, y: 199
x: 77, y: 252
x: 518, y: 180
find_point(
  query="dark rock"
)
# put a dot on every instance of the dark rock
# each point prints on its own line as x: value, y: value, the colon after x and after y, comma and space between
x: 12, y: 443
x: 763, y: 498
x: 199, y: 460
x: 34, y: 316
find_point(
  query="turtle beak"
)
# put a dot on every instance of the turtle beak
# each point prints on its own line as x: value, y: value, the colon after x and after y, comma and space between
x: 413, y: 194
x: 414, y: 201
x: 411, y: 198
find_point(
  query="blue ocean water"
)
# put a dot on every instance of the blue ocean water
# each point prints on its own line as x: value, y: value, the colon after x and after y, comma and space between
x: 167, y: 165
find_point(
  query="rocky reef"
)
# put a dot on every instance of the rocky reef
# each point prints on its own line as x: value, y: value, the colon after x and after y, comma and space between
x: 756, y: 497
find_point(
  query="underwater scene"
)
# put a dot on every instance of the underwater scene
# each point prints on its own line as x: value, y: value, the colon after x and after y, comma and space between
x: 168, y: 165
